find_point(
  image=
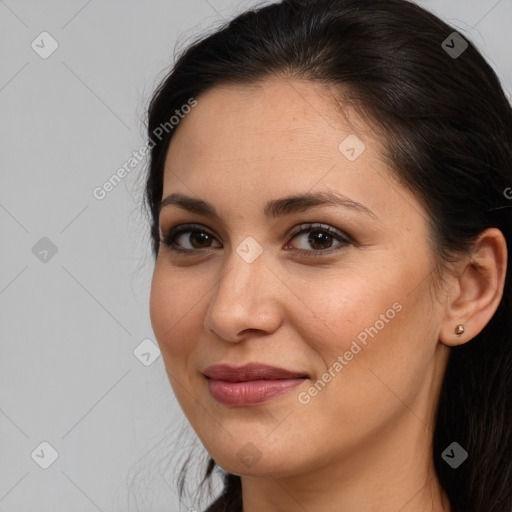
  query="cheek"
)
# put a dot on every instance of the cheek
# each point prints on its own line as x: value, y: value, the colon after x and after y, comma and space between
x: 173, y: 313
x: 360, y: 328
x: 339, y: 310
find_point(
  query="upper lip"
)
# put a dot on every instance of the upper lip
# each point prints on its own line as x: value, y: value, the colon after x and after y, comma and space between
x: 251, y: 371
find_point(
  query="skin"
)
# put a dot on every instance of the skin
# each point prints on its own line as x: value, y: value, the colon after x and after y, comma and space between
x: 364, y: 442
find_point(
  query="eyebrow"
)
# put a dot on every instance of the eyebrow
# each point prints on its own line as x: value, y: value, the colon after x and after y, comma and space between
x: 274, y: 208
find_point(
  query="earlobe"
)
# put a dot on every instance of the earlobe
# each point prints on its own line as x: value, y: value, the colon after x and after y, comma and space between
x: 477, y: 289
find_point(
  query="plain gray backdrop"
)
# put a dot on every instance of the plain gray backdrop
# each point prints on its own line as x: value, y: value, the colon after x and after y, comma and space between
x: 80, y: 369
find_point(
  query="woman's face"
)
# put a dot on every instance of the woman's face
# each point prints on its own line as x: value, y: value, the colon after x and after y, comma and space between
x: 350, y: 312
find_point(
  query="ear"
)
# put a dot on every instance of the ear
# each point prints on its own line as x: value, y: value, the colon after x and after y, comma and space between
x: 475, y: 292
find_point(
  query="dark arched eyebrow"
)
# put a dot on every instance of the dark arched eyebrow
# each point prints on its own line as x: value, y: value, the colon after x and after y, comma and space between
x: 275, y: 207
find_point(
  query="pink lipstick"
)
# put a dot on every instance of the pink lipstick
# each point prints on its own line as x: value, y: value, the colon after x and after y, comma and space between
x: 250, y: 384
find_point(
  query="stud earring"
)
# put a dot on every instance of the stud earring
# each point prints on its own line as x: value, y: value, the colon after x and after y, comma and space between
x: 459, y: 330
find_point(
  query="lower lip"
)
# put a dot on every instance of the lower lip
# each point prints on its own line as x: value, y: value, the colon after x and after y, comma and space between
x: 250, y: 392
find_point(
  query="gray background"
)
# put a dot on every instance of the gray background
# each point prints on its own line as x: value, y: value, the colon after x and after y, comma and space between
x: 70, y: 322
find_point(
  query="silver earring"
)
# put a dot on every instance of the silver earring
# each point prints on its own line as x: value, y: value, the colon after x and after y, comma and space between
x: 459, y: 330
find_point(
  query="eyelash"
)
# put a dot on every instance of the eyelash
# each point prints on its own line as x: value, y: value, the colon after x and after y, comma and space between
x: 169, y: 239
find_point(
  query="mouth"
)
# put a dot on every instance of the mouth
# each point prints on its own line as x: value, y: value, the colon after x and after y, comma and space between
x: 250, y: 384
x: 250, y: 372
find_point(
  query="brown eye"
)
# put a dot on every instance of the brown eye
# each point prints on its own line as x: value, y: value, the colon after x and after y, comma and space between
x: 199, y: 239
x: 319, y: 240
x: 188, y: 239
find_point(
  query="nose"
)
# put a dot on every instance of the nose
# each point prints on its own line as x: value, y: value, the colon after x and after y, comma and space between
x: 245, y: 300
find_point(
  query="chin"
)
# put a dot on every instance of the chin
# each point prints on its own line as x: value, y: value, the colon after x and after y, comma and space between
x: 251, y: 468
x: 258, y: 458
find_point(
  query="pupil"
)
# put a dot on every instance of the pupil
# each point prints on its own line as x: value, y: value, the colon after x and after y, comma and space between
x: 314, y: 239
x: 200, y: 235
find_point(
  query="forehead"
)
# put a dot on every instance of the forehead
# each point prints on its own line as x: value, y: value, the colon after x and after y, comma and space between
x: 270, y: 121
x: 245, y: 144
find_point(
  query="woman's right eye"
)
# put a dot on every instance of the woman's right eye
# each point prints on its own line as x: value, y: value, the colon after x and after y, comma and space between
x: 196, y: 237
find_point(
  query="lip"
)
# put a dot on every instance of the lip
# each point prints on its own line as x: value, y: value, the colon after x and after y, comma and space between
x: 250, y: 371
x: 250, y: 384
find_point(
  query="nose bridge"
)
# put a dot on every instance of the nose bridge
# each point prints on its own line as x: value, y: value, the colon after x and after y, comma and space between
x: 244, y: 277
x: 241, y: 300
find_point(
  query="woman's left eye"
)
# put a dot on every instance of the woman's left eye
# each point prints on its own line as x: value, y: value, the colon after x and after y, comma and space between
x: 320, y: 238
